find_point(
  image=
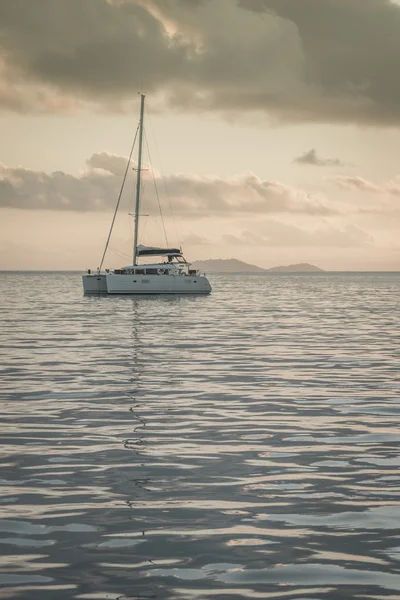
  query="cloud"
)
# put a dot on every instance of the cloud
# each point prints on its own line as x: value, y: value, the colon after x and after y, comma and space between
x: 205, y: 196
x: 276, y: 233
x: 363, y: 185
x: 195, y: 240
x: 97, y: 188
x: 311, y: 158
x: 110, y: 163
x: 298, y: 60
x: 26, y: 189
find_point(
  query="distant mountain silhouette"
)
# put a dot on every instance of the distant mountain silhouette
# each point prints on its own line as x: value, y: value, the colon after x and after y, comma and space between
x: 233, y: 265
x: 230, y: 265
x: 299, y: 268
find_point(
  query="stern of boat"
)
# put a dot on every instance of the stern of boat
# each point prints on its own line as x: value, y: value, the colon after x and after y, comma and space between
x: 94, y: 283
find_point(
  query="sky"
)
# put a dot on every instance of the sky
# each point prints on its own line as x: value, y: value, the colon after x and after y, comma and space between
x: 272, y: 130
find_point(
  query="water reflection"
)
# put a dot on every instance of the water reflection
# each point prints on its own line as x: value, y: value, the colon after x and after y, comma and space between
x: 199, y: 447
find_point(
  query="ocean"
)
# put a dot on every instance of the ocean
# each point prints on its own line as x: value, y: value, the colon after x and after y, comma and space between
x: 239, y: 445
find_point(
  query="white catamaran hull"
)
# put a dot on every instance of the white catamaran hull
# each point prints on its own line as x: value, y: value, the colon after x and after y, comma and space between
x: 146, y: 284
x: 94, y: 284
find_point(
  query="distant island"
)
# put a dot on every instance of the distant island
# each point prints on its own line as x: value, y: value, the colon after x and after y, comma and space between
x: 230, y: 265
x: 299, y: 268
x: 233, y: 265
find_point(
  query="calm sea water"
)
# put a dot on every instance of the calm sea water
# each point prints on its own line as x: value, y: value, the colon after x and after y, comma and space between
x: 240, y: 445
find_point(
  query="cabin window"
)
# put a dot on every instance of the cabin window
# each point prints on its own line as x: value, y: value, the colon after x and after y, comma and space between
x: 151, y: 271
x: 139, y: 272
x: 145, y: 280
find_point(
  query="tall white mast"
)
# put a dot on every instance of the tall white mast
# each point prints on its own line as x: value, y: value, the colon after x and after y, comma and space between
x: 139, y: 170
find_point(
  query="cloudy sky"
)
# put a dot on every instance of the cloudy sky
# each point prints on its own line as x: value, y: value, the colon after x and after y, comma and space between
x: 272, y: 130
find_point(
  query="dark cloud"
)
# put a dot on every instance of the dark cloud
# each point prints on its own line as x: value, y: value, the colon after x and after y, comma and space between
x: 311, y: 158
x: 299, y: 60
x: 97, y: 188
x: 94, y: 50
x: 351, y: 52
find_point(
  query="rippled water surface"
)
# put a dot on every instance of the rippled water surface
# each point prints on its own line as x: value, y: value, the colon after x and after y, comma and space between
x: 240, y: 445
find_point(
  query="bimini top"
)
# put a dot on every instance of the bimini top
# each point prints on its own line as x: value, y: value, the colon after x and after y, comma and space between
x: 152, y: 251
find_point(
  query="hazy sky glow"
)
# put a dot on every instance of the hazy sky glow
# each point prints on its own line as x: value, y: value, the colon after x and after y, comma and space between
x: 273, y: 128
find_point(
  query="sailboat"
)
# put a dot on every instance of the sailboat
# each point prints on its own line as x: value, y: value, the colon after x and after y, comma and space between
x: 172, y: 274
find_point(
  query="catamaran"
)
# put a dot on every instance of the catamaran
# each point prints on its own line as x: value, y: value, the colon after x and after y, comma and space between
x: 171, y: 275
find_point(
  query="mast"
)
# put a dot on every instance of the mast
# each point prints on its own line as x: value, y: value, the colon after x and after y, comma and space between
x: 139, y: 170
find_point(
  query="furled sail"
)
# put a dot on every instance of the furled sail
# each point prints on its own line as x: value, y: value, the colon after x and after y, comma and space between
x: 153, y: 251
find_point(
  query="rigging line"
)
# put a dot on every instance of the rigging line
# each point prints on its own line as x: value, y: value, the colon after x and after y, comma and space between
x: 121, y: 254
x: 163, y: 178
x: 119, y: 198
x: 155, y: 187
